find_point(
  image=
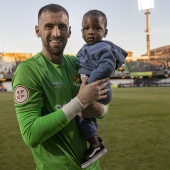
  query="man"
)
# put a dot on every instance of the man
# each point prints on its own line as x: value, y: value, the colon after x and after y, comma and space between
x: 48, y: 97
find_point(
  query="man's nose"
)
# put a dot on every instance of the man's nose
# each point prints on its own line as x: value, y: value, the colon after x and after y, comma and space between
x: 56, y: 31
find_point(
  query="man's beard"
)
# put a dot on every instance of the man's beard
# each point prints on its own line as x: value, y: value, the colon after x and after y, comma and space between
x: 54, y: 51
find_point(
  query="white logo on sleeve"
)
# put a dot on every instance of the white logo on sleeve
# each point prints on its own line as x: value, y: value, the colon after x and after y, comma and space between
x: 21, y: 94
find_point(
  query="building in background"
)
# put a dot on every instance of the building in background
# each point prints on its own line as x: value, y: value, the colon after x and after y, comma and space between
x: 9, y: 63
x: 139, y: 71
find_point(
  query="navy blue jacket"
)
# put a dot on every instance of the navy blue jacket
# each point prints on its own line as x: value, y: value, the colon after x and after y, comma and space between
x: 100, y: 60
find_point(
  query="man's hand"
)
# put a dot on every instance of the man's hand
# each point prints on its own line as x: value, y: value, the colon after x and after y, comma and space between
x: 90, y: 93
x: 93, y: 110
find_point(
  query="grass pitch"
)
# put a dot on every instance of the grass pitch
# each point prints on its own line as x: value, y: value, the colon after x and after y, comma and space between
x: 135, y: 132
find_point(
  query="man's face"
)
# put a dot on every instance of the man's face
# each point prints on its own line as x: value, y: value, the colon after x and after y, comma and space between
x: 93, y: 29
x: 54, y: 30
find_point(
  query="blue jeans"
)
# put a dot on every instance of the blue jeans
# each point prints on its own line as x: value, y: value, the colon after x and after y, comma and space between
x: 88, y: 126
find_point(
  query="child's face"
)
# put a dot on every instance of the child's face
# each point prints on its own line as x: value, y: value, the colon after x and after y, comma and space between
x: 93, y: 29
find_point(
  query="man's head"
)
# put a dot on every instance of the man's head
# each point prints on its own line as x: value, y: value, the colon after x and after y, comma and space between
x: 94, y: 26
x: 52, y: 8
x: 53, y: 28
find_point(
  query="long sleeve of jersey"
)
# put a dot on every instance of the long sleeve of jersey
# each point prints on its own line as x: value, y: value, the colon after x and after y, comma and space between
x: 34, y: 127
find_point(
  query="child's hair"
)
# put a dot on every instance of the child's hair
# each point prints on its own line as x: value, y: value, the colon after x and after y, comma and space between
x: 96, y: 13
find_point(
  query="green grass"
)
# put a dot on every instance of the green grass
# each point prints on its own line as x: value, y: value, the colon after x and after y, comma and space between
x: 136, y: 132
x: 14, y: 154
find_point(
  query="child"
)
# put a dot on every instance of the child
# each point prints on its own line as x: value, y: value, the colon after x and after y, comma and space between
x: 97, y: 59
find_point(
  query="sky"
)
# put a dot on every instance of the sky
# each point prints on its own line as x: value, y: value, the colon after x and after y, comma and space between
x: 126, y: 24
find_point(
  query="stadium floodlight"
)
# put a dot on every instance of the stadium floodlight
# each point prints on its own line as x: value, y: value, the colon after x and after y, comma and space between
x: 146, y: 5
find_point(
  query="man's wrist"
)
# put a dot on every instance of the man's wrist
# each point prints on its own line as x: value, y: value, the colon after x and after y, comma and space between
x: 72, y: 108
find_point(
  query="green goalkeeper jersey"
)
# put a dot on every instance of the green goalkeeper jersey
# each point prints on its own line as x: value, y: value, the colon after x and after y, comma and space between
x: 41, y: 88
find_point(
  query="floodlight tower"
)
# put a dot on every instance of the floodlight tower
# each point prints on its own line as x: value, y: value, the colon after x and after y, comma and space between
x: 146, y: 5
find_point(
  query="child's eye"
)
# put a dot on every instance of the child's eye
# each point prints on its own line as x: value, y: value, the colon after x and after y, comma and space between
x: 97, y: 28
x: 85, y: 28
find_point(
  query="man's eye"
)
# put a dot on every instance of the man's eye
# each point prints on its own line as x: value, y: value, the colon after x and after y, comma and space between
x: 48, y: 27
x: 62, y: 27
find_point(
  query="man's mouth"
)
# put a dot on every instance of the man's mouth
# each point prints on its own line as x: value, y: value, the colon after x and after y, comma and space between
x: 55, y: 40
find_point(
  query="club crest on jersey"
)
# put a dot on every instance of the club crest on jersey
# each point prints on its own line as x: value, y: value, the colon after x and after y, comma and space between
x: 77, y: 80
x: 57, y: 84
x: 21, y: 94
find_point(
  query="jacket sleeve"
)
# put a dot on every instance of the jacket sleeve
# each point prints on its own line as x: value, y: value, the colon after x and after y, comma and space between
x: 106, y: 64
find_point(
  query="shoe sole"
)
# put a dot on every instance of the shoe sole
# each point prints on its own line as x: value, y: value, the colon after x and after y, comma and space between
x: 91, y: 161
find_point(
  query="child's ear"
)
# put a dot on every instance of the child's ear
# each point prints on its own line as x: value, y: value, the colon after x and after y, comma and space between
x: 82, y: 32
x: 106, y: 31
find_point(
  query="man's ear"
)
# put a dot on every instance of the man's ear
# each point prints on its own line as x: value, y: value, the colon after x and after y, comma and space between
x: 106, y: 31
x: 37, y: 31
x: 69, y: 32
